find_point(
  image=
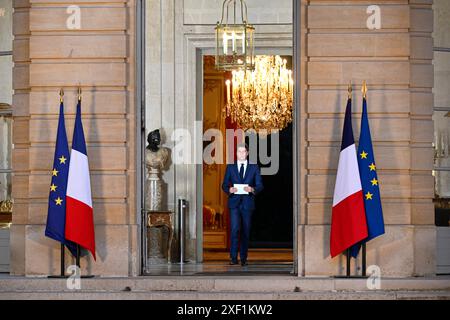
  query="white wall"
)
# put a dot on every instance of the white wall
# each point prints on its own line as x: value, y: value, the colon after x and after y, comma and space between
x: 6, y: 93
x: 6, y: 45
x: 441, y: 33
x: 259, y: 11
x: 441, y: 36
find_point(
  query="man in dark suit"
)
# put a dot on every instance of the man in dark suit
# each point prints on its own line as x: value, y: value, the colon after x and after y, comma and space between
x: 241, y: 206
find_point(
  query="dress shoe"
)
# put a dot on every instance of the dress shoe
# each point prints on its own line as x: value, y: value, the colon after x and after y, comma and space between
x: 244, y: 263
x: 233, y: 262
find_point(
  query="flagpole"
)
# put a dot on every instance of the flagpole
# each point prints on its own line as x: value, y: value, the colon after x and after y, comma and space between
x: 78, y: 263
x: 78, y: 256
x: 348, y: 262
x: 364, y: 89
x: 63, y: 262
x: 347, y: 253
x: 363, y: 257
x: 349, y: 89
x: 78, y: 246
x: 348, y: 250
x: 62, y: 258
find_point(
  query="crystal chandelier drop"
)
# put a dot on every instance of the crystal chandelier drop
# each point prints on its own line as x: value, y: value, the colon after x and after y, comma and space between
x: 234, y: 41
x: 262, y: 98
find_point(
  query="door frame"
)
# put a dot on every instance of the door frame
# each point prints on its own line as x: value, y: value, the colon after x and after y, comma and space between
x: 197, y: 45
x: 199, y: 167
x: 140, y: 132
x: 200, y: 53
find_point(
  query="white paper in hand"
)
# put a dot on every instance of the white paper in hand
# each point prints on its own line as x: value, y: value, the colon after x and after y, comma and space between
x: 240, y: 188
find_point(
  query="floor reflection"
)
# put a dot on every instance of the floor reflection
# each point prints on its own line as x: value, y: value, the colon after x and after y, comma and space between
x: 220, y: 268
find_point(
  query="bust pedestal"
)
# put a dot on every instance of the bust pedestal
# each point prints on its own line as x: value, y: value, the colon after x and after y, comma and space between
x: 158, y: 219
x: 153, y: 199
x: 155, y: 161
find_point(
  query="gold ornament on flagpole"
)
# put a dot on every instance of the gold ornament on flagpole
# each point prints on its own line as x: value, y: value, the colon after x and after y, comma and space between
x: 79, y: 93
x: 350, y: 90
x: 61, y: 95
x: 364, y: 89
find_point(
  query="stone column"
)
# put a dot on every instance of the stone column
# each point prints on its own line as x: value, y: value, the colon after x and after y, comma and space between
x: 422, y: 134
x: 99, y: 56
x: 396, y: 63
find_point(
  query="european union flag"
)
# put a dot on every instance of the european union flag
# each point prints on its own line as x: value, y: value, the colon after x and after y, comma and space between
x: 56, y: 218
x: 369, y: 183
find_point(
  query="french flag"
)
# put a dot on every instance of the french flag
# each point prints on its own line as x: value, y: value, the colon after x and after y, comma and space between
x: 348, y: 221
x: 79, y: 213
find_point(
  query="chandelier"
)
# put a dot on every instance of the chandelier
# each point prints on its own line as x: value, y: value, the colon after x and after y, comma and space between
x: 262, y: 98
x: 234, y: 42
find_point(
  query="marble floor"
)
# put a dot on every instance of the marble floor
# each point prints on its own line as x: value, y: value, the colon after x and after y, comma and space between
x: 261, y: 255
x: 263, y: 261
x: 220, y: 268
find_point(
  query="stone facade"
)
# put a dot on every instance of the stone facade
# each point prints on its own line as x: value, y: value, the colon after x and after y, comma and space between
x: 100, y: 58
x: 336, y: 48
x: 396, y: 62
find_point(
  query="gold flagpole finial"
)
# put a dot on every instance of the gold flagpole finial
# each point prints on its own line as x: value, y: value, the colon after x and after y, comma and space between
x: 79, y: 93
x: 61, y: 95
x: 349, y: 88
x: 364, y: 89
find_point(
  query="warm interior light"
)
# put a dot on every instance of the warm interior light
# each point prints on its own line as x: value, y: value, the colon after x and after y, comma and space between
x: 262, y: 98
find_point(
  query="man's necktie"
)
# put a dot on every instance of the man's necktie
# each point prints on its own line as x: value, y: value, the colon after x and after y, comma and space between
x: 241, y: 171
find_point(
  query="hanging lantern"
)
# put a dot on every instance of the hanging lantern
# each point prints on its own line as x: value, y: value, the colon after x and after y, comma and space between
x: 234, y: 42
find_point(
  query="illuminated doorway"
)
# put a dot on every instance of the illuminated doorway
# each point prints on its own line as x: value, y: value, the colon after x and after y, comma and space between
x: 271, y: 237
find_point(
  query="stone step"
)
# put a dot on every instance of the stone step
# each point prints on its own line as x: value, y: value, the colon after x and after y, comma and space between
x: 208, y: 284
x: 192, y: 295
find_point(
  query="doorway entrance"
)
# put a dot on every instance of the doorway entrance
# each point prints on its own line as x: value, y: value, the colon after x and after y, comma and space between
x: 170, y: 96
x: 271, y: 237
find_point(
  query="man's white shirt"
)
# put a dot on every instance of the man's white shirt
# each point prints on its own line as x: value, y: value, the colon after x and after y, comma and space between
x: 239, y: 166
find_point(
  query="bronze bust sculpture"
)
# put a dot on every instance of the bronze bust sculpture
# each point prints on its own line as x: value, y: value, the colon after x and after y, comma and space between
x: 156, y: 158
